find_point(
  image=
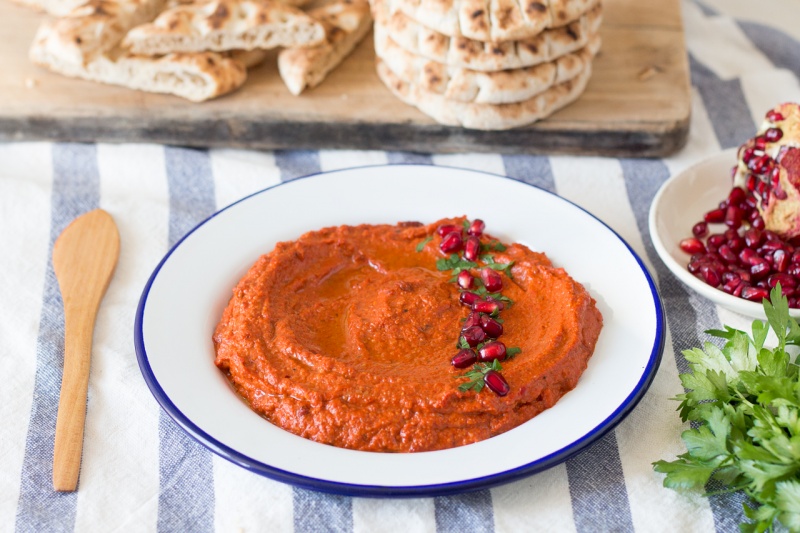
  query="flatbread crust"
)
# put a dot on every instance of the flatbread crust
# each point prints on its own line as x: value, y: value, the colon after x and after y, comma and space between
x: 221, y: 25
x: 465, y: 85
x: 346, y: 23
x: 480, y: 55
x: 492, y: 20
x: 485, y: 116
x: 94, y: 28
x: 57, y: 8
x: 196, y: 77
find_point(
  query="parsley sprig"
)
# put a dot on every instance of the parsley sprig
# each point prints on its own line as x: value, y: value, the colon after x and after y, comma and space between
x: 475, y: 376
x: 423, y: 242
x: 744, y: 401
x: 494, y: 265
x: 454, y: 263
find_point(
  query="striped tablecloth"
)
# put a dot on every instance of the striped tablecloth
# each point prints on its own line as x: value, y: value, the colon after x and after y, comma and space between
x: 141, y: 473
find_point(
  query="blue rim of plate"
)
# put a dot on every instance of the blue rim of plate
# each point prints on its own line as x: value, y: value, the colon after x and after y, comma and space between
x: 414, y: 491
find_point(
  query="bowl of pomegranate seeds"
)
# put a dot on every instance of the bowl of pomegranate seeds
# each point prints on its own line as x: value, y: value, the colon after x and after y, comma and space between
x: 709, y: 230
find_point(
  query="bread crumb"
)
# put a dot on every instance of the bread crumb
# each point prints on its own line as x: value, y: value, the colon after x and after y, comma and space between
x: 648, y: 73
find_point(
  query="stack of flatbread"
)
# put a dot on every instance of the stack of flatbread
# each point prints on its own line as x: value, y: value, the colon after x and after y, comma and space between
x: 487, y: 65
x: 197, y: 49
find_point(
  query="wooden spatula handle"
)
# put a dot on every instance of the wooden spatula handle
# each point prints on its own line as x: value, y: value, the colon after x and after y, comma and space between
x: 72, y: 405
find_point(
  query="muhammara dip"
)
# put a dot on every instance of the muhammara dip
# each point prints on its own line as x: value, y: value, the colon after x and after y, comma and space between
x: 345, y: 336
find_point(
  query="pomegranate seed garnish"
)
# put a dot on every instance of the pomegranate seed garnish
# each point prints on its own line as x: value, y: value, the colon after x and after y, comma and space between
x: 700, y: 229
x: 714, y: 216
x: 474, y: 319
x: 485, y: 306
x: 780, y: 261
x: 500, y: 304
x: 476, y: 228
x: 692, y: 246
x: 474, y: 335
x: 753, y: 238
x: 773, y: 134
x: 464, y: 358
x: 796, y: 257
x: 472, y: 248
x: 694, y: 266
x: 492, y: 327
x: 774, y: 116
x: 738, y: 290
x: 760, y: 143
x: 733, y: 217
x: 465, y: 280
x: 468, y: 298
x: 444, y: 229
x: 754, y: 294
x: 759, y: 268
x: 758, y: 223
x: 779, y: 193
x: 751, y: 182
x: 747, y: 154
x: 736, y: 244
x: 736, y: 196
x: 451, y: 243
x: 727, y: 254
x: 496, y: 382
x: 710, y: 276
x: 784, y: 279
x: 731, y: 286
x: 771, y: 235
x: 772, y: 245
x: 491, y: 280
x: 730, y: 276
x: 491, y: 351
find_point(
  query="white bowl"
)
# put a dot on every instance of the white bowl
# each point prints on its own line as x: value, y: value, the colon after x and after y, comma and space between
x: 681, y: 203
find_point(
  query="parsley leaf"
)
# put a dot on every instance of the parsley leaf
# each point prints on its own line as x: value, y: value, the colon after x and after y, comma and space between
x: 511, y: 352
x: 744, y: 401
x: 423, y: 242
x: 475, y: 376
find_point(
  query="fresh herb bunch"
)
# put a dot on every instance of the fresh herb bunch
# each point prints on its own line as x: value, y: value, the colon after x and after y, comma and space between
x: 744, y: 402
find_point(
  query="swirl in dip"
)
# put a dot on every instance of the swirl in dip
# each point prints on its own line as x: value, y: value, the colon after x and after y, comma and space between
x: 345, y: 337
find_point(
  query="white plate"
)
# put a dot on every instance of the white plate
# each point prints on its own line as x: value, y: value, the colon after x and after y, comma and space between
x: 679, y: 204
x: 185, y: 296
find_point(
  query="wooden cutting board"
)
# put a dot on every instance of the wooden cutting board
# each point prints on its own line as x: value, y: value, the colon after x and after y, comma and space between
x: 637, y: 103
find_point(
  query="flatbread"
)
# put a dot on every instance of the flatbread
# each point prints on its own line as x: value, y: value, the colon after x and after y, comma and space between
x: 480, y: 55
x: 492, y: 20
x: 196, y: 77
x: 94, y: 28
x: 465, y: 85
x: 346, y: 23
x: 221, y: 25
x: 485, y: 116
x: 57, y: 8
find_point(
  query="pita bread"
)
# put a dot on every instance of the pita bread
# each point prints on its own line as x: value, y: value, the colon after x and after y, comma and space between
x: 58, y: 8
x: 485, y: 116
x: 94, y: 28
x: 346, y: 22
x: 464, y: 85
x: 480, y: 55
x: 248, y: 58
x: 196, y: 77
x: 221, y: 25
x: 492, y: 20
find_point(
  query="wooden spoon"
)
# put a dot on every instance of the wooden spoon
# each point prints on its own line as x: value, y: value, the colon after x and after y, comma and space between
x: 84, y: 257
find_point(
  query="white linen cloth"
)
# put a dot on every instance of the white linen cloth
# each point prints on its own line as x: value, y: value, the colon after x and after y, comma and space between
x: 141, y: 473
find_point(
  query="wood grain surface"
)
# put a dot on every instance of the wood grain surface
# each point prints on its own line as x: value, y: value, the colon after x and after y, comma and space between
x: 637, y: 102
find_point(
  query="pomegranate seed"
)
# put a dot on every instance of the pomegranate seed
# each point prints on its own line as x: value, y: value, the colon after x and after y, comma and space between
x: 468, y: 298
x: 796, y: 257
x: 492, y: 327
x: 780, y: 260
x: 771, y: 236
x: 773, y: 134
x: 500, y: 304
x: 491, y: 351
x: 736, y: 196
x: 474, y: 319
x: 731, y: 285
x: 728, y: 255
x: 464, y: 358
x: 496, y: 382
x: 472, y: 248
x: 730, y: 276
x: 751, y: 182
x: 772, y: 245
x: 451, y: 243
x: 779, y: 193
x: 700, y: 229
x: 476, y: 228
x: 444, y: 229
x: 733, y: 217
x: 758, y: 223
x: 774, y: 116
x: 694, y: 266
x: 785, y: 280
x: 751, y: 201
x: 717, y: 240
x: 465, y: 280
x: 485, y: 306
x: 754, y: 294
x: 760, y: 143
x: 759, y: 268
x: 747, y: 154
x: 738, y: 290
x: 491, y: 280
x: 736, y: 244
x: 474, y: 335
x: 753, y: 238
x: 794, y: 270
x: 710, y: 276
x: 714, y: 216
x: 794, y: 303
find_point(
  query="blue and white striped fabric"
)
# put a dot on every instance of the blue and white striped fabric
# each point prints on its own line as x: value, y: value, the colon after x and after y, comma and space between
x: 141, y: 473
